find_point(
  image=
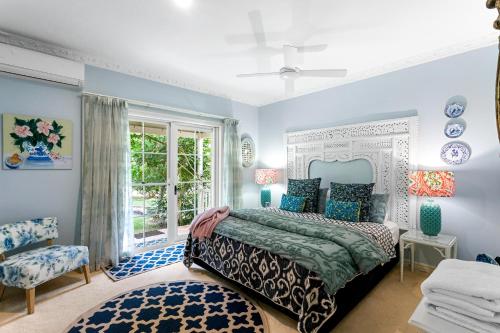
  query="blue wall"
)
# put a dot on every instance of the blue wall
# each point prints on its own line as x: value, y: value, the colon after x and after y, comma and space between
x: 35, y: 193
x: 474, y: 213
x: 25, y: 194
x: 121, y: 85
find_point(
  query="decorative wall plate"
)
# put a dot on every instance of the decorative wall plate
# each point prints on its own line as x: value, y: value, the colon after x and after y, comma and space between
x: 247, y: 151
x: 456, y: 152
x: 455, y: 106
x: 455, y: 127
x: 454, y: 110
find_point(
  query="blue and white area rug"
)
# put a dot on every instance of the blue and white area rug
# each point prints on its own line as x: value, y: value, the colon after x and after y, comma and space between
x: 181, y: 306
x: 146, y: 261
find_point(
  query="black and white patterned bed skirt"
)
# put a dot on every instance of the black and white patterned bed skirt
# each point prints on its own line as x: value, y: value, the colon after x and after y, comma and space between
x: 281, y: 281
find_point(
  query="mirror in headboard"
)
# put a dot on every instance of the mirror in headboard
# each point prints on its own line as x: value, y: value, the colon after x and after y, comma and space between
x: 358, y: 171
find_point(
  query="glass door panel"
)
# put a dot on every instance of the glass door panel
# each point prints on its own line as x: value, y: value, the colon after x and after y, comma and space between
x: 195, y: 174
x: 149, y: 168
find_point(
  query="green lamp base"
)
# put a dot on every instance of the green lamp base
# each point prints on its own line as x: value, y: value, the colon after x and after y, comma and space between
x: 430, y: 218
x: 265, y: 197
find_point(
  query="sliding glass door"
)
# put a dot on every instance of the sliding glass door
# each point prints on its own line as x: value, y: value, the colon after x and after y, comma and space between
x: 174, y: 172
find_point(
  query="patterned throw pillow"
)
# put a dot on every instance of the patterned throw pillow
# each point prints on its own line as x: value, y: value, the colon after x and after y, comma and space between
x: 292, y: 204
x: 322, y: 197
x: 483, y: 257
x: 354, y: 193
x: 378, y: 207
x: 306, y: 188
x: 343, y: 211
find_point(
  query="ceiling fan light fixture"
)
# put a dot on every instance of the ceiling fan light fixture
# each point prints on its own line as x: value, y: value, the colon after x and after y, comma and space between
x: 289, y: 73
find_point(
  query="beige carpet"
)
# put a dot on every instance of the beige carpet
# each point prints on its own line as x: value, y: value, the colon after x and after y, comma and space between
x: 59, y: 302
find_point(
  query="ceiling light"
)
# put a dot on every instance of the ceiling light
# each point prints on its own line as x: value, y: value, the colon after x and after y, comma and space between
x: 184, y: 4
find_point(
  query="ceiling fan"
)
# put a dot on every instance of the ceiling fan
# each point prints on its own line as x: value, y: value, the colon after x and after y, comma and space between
x: 290, y: 71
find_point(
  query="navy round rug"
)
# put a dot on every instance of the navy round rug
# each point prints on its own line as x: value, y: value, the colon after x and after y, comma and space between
x: 180, y: 306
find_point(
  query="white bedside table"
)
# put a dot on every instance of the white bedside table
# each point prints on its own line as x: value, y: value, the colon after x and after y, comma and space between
x: 446, y: 245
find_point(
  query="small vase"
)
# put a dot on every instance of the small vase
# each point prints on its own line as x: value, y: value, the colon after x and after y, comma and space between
x: 430, y: 218
x: 37, y: 153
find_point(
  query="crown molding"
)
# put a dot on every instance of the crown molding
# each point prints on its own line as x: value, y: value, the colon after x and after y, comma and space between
x: 101, y: 62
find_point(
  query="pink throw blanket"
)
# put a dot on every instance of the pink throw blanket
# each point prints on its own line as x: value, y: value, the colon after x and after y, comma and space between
x: 204, y: 224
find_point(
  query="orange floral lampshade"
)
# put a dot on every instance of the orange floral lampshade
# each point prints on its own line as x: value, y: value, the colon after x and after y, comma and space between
x: 266, y: 176
x: 432, y: 183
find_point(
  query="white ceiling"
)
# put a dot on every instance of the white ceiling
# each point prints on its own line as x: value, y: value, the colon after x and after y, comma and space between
x: 204, y: 46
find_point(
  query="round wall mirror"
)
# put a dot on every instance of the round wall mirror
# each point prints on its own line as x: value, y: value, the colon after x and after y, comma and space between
x: 247, y: 151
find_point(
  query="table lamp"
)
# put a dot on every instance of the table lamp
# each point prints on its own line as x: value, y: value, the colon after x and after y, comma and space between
x: 431, y: 184
x: 266, y: 177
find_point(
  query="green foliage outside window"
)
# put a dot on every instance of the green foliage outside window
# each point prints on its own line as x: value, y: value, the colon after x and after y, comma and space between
x: 151, y: 167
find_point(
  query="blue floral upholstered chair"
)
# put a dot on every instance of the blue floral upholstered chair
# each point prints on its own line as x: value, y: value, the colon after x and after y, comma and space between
x: 29, y: 269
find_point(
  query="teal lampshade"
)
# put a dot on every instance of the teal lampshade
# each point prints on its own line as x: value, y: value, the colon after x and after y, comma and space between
x: 266, y: 177
x: 431, y: 184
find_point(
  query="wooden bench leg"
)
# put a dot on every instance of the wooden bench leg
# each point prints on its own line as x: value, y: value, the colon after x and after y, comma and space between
x: 30, y: 300
x: 86, y: 272
x: 2, y: 290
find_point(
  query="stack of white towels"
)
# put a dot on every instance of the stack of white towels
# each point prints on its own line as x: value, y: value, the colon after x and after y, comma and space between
x: 466, y: 293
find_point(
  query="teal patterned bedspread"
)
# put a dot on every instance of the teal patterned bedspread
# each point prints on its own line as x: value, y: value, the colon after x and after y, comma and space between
x: 336, y: 253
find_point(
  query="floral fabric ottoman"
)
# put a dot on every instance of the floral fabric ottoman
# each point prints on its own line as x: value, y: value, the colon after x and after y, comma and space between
x: 29, y: 269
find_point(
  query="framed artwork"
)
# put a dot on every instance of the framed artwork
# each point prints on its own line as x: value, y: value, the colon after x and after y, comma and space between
x: 31, y: 142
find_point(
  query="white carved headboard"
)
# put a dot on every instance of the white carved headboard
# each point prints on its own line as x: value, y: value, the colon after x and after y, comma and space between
x: 389, y: 146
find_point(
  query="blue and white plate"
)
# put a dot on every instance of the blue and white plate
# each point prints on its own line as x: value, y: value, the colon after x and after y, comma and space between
x: 454, y: 110
x: 455, y: 152
x: 455, y: 128
x: 12, y: 165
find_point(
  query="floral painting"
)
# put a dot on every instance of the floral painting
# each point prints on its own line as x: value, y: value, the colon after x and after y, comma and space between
x: 37, y: 143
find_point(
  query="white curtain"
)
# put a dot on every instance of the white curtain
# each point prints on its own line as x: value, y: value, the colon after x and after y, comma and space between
x: 107, y: 227
x: 231, y: 168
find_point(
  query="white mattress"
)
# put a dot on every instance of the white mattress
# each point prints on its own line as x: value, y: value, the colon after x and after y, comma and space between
x: 394, y: 228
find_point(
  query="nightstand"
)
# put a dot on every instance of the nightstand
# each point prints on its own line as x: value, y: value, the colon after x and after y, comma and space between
x: 446, y: 245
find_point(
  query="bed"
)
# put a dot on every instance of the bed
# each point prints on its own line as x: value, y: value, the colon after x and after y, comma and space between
x: 318, y: 294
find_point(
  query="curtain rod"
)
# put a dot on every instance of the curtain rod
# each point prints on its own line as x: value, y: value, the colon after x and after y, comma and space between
x: 158, y: 106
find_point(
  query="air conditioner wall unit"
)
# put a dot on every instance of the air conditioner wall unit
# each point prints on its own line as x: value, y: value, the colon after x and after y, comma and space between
x: 35, y: 65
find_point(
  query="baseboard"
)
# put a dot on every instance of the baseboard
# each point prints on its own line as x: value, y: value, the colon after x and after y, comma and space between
x: 421, y: 266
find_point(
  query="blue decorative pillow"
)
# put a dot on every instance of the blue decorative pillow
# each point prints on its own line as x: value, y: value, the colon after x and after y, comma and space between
x: 483, y: 257
x: 378, y: 207
x: 292, y: 204
x: 343, y: 211
x: 354, y: 193
x: 305, y: 188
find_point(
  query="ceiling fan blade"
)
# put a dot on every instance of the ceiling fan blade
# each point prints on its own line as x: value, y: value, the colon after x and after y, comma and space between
x: 255, y: 18
x: 258, y: 34
x: 258, y: 74
x: 290, y: 56
x: 289, y: 86
x: 312, y: 48
x: 240, y: 39
x: 323, y: 72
